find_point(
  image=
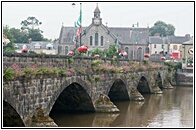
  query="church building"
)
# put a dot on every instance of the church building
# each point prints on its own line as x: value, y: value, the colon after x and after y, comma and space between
x: 133, y: 40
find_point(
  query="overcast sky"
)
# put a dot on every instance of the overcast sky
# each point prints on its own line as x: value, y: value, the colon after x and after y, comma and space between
x: 116, y: 14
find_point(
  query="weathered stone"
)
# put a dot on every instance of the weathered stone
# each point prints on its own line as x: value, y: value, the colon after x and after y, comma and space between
x: 40, y: 120
x: 135, y: 95
x: 103, y: 104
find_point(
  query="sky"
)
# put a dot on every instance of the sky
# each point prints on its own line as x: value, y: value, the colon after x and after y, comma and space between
x: 116, y: 14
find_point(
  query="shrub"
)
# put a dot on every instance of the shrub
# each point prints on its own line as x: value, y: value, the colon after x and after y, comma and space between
x: 8, y: 74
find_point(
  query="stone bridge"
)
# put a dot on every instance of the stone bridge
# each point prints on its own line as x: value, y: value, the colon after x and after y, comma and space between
x: 48, y: 83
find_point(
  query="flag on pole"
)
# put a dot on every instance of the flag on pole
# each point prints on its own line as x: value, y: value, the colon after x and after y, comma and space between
x: 78, y: 24
x: 116, y: 45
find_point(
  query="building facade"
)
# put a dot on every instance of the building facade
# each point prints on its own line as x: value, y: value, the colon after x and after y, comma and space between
x: 133, y: 40
x: 38, y: 47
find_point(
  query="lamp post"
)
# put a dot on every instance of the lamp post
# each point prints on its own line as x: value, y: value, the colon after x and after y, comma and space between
x: 136, y: 39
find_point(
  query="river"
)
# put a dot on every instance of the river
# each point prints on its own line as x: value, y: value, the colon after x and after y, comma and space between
x: 172, y: 109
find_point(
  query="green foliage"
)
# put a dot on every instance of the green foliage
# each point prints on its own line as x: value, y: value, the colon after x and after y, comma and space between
x: 63, y: 72
x: 173, y: 65
x: 162, y: 28
x: 96, y: 62
x: 113, y: 62
x: 35, y: 35
x: 26, y: 32
x: 10, y: 46
x: 55, y: 71
x: 9, y: 74
x: 111, y: 51
x: 89, y: 77
x: 97, y: 51
x: 19, y: 36
x: 30, y: 22
x: 27, y: 71
x: 70, y: 60
x: 76, y: 53
x: 97, y: 79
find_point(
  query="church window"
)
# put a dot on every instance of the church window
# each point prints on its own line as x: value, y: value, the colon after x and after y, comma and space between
x: 91, y: 40
x: 127, y: 50
x: 96, y: 39
x: 101, y: 40
x: 59, y: 49
x: 66, y: 50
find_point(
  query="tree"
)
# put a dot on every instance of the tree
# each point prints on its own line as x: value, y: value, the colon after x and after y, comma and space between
x: 30, y: 22
x: 111, y: 51
x: 10, y: 46
x: 19, y: 36
x: 97, y: 51
x: 33, y: 33
x: 162, y: 28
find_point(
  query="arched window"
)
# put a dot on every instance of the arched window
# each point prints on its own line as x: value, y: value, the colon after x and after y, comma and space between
x: 139, y: 53
x: 101, y: 40
x: 147, y: 50
x: 127, y: 50
x: 59, y: 49
x: 91, y: 40
x: 96, y: 39
x: 66, y: 50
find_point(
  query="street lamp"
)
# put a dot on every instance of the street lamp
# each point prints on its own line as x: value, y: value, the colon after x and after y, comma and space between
x: 73, y: 5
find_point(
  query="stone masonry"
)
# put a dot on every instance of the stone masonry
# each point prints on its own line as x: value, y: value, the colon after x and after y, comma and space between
x: 27, y: 94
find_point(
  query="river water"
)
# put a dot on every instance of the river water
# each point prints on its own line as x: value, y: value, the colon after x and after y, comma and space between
x: 173, y: 109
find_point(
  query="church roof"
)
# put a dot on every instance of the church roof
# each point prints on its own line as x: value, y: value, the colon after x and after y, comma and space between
x: 125, y: 35
x: 128, y: 35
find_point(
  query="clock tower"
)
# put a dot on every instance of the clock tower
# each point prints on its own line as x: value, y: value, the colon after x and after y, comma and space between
x: 97, y: 20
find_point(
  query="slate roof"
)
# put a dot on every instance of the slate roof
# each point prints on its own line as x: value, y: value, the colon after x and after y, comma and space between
x: 68, y: 33
x: 188, y: 42
x: 125, y: 35
x: 158, y: 40
x: 178, y: 39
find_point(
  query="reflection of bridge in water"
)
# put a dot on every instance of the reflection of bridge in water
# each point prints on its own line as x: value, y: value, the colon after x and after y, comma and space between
x: 87, y: 88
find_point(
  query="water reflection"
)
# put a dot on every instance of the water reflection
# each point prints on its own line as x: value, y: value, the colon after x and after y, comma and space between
x: 173, y: 108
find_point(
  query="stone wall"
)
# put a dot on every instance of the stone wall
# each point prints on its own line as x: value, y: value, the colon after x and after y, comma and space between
x: 27, y: 94
x: 184, y: 79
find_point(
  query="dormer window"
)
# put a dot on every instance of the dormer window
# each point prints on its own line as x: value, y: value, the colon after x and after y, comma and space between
x: 37, y: 46
x: 24, y: 46
x: 49, y: 46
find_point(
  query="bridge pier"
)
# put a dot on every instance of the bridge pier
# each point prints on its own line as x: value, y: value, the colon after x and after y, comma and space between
x: 103, y: 104
x: 135, y: 95
x: 41, y: 120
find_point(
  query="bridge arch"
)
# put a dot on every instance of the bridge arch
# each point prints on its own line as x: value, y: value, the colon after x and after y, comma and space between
x: 118, y: 90
x: 143, y: 85
x: 11, y: 118
x: 74, y: 96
